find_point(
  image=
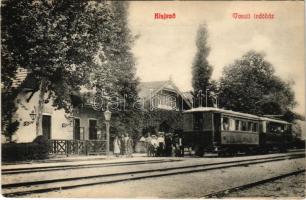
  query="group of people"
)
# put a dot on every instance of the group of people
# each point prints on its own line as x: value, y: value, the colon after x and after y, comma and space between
x: 123, y: 146
x: 164, y: 144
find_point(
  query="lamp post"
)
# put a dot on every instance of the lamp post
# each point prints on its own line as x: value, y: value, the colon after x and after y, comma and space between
x: 107, y: 116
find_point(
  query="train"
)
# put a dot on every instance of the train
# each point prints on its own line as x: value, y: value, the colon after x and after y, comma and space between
x: 226, y: 132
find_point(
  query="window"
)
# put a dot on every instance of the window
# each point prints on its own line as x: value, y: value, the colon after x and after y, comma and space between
x: 264, y: 126
x: 232, y: 124
x: 166, y: 101
x: 276, y: 128
x: 172, y: 102
x: 237, y: 125
x: 255, y: 127
x: 188, y: 122
x: 207, y: 121
x: 225, y: 124
x: 250, y: 126
x: 243, y: 126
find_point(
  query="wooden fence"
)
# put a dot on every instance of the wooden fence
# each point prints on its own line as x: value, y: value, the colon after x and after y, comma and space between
x: 77, y: 147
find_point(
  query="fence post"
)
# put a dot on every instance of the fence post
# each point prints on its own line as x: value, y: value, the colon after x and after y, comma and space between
x: 67, y: 149
x: 77, y: 146
x: 86, y: 147
x: 54, y: 146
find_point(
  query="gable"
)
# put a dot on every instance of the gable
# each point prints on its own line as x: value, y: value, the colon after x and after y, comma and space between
x: 170, y: 87
x: 146, y: 90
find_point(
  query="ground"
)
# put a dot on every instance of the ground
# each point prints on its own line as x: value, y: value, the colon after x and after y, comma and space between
x: 293, y: 186
x: 192, y: 185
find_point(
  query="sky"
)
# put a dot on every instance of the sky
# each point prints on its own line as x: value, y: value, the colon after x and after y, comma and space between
x: 166, y: 48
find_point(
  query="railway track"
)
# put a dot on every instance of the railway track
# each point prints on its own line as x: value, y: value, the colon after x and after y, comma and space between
x: 224, y: 193
x: 81, y: 166
x: 24, y: 188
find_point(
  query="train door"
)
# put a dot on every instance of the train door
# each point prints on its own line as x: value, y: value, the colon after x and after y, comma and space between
x: 217, y: 128
x: 262, y: 133
x: 198, y: 121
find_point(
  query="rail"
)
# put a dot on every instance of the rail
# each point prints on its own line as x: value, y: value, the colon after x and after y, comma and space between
x: 14, y: 189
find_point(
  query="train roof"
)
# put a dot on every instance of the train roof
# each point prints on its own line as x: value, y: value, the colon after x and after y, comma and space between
x: 274, y: 120
x: 230, y: 112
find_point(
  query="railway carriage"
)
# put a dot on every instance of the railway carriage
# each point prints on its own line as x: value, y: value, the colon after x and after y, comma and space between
x: 275, y: 134
x: 227, y: 132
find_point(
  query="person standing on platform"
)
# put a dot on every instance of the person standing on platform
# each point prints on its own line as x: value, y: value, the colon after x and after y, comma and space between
x: 148, y: 145
x: 181, y: 146
x: 178, y: 146
x: 154, y: 145
x: 122, y: 147
x: 168, y: 145
x: 117, y: 145
x: 161, y: 144
x: 130, y: 145
x: 125, y: 142
x: 178, y: 143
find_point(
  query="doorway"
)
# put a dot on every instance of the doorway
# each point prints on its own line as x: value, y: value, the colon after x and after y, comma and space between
x: 46, y: 126
x: 76, y: 129
x: 93, y: 129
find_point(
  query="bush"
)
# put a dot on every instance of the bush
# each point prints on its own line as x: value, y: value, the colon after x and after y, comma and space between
x: 24, y: 151
x: 41, y: 139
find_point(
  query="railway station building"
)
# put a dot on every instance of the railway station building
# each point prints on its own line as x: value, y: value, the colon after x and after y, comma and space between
x: 163, y: 103
x: 160, y: 101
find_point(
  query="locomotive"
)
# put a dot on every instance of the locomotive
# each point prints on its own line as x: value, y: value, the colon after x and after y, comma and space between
x: 209, y: 129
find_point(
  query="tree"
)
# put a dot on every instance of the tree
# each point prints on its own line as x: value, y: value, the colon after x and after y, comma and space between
x: 250, y: 85
x: 201, y: 69
x: 57, y: 42
x: 115, y: 72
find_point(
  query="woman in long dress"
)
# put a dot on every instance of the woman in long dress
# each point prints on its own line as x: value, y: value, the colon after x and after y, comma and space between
x: 117, y: 145
x: 122, y: 147
x: 130, y: 145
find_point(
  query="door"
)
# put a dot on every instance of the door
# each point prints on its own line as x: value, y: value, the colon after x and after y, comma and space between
x: 76, y: 129
x: 93, y: 129
x: 198, y: 121
x: 217, y: 128
x: 46, y: 126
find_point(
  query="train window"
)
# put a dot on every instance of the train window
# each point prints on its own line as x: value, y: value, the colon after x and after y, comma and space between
x: 275, y: 128
x: 279, y: 128
x: 250, y: 124
x: 282, y: 127
x: 187, y: 125
x: 237, y: 125
x: 243, y: 126
x: 270, y: 128
x: 264, y: 126
x: 255, y: 125
x: 232, y: 124
x: 225, y: 124
x: 207, y: 117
